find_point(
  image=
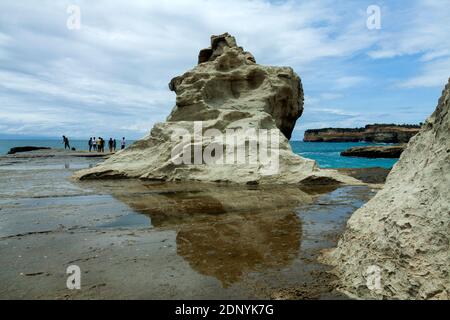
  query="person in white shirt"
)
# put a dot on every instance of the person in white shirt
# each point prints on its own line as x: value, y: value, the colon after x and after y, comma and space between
x: 123, y: 144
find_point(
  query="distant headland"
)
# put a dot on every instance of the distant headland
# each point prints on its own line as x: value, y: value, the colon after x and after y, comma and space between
x: 384, y: 133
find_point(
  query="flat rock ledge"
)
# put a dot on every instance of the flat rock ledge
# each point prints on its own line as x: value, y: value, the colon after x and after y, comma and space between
x: 56, y: 153
x: 375, y: 152
x: 25, y: 149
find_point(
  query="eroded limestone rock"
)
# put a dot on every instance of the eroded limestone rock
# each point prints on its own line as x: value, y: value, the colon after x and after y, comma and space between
x: 226, y: 91
x: 404, y: 231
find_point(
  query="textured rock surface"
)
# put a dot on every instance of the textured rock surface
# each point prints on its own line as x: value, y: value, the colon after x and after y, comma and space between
x: 405, y: 228
x: 227, y: 90
x: 374, y: 175
x: 374, y: 152
x: 386, y: 133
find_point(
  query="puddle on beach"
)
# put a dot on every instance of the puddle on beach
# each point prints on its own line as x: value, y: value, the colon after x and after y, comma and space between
x: 228, y: 232
x: 206, y: 240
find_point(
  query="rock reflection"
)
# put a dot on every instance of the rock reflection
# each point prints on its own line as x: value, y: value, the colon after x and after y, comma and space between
x: 222, y: 231
x: 227, y: 249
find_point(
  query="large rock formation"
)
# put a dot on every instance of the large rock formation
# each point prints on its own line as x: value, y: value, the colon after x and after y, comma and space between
x: 403, y: 233
x: 227, y: 91
x: 385, y: 133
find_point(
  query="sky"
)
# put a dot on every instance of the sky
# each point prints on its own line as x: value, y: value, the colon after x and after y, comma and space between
x: 110, y: 76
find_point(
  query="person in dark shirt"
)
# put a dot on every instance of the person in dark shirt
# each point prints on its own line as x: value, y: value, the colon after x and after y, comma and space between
x: 66, y: 142
x: 110, y: 145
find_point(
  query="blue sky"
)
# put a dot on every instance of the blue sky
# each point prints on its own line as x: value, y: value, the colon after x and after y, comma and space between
x: 110, y: 77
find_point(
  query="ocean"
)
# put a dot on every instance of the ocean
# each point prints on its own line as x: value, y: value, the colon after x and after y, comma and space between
x: 327, y: 154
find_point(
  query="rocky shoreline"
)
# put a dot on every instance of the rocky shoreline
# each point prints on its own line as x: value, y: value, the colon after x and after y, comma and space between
x: 184, y: 228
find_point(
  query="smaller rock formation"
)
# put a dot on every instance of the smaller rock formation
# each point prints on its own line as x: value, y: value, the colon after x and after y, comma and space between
x: 26, y: 149
x: 374, y: 152
x: 383, y: 133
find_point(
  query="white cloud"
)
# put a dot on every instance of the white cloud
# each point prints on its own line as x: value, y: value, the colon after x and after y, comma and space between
x: 434, y: 74
x: 120, y: 61
x: 349, y: 81
x: 112, y: 74
x: 418, y: 28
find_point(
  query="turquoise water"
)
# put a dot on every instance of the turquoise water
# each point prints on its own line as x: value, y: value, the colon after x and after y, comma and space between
x: 327, y: 154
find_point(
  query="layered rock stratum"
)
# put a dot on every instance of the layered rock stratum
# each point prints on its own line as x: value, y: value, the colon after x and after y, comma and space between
x: 227, y: 91
x: 384, y: 133
x: 403, y: 233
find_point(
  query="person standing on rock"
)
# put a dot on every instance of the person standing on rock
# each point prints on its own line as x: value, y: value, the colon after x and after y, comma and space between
x: 110, y: 145
x: 66, y: 143
x: 114, y: 145
x: 90, y: 144
x: 94, y: 144
x: 123, y: 144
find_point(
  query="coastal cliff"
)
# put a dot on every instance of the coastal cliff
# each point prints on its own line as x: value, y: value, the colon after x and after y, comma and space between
x: 385, y: 133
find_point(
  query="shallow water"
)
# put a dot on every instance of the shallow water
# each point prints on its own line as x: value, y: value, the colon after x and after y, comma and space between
x: 134, y: 239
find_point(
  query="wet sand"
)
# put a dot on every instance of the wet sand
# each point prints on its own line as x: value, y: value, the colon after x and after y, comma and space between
x: 141, y: 240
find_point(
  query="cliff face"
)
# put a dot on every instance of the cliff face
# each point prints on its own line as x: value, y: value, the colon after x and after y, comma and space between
x: 370, y: 133
x: 403, y: 232
x: 226, y: 91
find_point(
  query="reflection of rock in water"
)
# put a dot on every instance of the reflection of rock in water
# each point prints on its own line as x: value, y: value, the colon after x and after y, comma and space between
x: 223, y: 232
x: 228, y: 249
x: 176, y: 207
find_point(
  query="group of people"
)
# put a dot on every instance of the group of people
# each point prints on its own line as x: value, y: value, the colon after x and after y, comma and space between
x: 98, y: 144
